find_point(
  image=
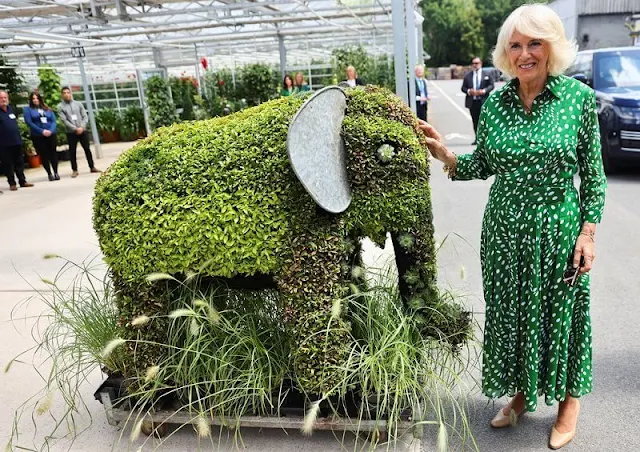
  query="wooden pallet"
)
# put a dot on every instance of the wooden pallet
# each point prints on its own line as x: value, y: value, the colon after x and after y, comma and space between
x: 158, y: 421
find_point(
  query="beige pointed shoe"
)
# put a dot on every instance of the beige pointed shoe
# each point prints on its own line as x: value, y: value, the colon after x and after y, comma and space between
x: 558, y: 440
x: 502, y: 420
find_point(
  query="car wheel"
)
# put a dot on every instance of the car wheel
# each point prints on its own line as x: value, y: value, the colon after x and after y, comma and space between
x: 608, y: 163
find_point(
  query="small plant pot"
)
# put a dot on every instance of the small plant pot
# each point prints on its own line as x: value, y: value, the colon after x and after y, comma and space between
x: 34, y: 161
x: 110, y: 136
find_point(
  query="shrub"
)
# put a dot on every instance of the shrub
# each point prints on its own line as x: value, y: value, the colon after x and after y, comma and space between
x: 259, y: 83
x: 162, y: 110
x: 220, y: 198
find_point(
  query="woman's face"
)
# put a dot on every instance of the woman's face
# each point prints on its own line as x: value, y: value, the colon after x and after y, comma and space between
x: 288, y: 82
x: 299, y: 79
x: 529, y: 57
x: 35, y: 101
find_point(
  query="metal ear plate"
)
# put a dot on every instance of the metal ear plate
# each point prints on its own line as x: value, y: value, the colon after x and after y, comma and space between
x: 316, y: 149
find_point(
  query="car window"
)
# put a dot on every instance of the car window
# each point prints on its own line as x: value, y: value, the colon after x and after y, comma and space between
x: 618, y: 69
x: 583, y: 65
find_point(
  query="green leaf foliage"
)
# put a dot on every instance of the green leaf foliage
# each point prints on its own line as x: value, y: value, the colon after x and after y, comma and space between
x: 373, y: 70
x: 493, y: 13
x: 107, y: 120
x: 162, y: 110
x: 219, y: 198
x: 132, y: 122
x: 12, y: 82
x: 453, y: 31
x: 49, y: 87
x: 259, y: 83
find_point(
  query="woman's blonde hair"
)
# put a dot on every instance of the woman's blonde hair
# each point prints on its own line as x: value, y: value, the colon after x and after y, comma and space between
x: 540, y: 22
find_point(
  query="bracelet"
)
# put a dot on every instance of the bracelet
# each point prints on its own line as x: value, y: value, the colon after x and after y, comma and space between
x: 591, y: 235
x: 452, y: 170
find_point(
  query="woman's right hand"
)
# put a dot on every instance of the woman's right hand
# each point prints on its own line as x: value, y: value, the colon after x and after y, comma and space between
x: 434, y: 142
x: 46, y: 133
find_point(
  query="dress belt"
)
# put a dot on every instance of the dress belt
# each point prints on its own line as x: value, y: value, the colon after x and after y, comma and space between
x: 547, y: 194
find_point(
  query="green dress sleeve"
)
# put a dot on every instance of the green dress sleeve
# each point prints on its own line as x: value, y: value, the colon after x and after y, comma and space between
x: 593, y: 182
x: 475, y: 165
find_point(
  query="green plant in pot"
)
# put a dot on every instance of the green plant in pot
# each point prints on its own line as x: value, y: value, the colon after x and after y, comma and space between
x: 132, y: 123
x: 108, y: 123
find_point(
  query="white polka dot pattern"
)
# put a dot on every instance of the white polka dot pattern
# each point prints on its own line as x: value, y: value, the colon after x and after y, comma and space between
x: 537, y: 336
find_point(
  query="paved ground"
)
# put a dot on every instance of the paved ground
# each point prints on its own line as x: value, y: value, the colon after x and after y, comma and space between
x: 55, y: 217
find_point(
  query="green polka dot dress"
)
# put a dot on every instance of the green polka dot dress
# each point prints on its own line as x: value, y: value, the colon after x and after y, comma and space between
x: 537, y: 336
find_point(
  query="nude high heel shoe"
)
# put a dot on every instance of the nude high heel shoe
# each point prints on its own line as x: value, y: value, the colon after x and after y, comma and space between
x: 502, y: 420
x: 558, y: 440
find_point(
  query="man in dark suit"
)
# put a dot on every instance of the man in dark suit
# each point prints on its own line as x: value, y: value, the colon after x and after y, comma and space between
x: 477, y: 86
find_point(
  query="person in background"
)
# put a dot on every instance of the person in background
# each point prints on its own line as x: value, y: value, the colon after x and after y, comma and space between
x: 75, y: 118
x: 422, y: 96
x: 300, y: 84
x: 477, y: 86
x: 42, y: 125
x: 352, y: 77
x: 287, y: 86
x: 538, y: 232
x: 11, y: 145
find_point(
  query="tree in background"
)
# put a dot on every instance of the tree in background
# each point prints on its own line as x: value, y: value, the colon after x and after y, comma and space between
x: 162, y: 111
x: 354, y: 56
x: 49, y: 86
x: 493, y: 13
x: 13, y: 83
x: 453, y: 31
x: 373, y: 70
x: 184, y: 89
x: 258, y: 83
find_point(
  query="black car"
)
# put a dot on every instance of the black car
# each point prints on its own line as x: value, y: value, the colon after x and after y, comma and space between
x: 614, y: 74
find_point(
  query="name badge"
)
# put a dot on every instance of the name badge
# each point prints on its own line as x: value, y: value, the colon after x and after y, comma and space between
x: 12, y: 116
x: 74, y: 117
x: 43, y: 120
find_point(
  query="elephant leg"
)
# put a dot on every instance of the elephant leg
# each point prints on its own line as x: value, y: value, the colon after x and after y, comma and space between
x: 312, y: 279
x: 440, y: 317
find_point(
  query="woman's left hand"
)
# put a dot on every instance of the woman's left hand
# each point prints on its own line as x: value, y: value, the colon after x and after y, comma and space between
x: 585, y: 248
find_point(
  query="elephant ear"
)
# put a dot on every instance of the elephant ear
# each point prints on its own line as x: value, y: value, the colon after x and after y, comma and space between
x: 316, y: 149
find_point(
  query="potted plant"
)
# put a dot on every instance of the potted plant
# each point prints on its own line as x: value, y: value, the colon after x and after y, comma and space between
x: 27, y: 146
x: 108, y: 120
x: 132, y: 123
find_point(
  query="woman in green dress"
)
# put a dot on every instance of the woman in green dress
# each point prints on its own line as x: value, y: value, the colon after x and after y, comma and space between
x: 287, y: 86
x: 301, y: 85
x: 534, y: 135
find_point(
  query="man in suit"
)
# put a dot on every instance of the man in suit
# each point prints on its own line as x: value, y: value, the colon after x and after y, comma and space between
x: 477, y: 86
x: 422, y: 96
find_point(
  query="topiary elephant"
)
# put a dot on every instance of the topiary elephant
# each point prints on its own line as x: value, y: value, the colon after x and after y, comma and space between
x: 281, y: 193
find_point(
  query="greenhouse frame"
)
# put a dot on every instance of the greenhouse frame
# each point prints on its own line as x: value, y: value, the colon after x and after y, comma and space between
x: 104, y: 49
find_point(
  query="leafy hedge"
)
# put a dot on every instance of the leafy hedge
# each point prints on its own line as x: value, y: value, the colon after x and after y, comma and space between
x: 219, y: 198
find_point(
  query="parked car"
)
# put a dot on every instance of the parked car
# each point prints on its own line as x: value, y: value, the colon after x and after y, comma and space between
x: 493, y: 72
x: 614, y: 74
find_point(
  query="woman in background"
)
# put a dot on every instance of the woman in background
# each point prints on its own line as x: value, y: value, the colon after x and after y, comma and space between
x: 301, y: 85
x: 42, y: 125
x: 287, y: 86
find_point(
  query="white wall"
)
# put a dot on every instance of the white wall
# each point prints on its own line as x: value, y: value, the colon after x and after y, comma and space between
x: 568, y: 12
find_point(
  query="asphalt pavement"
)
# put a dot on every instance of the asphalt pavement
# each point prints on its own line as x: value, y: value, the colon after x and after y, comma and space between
x: 55, y: 217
